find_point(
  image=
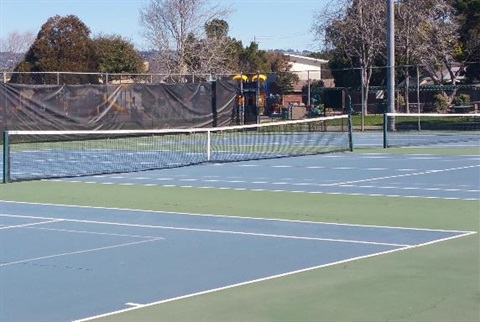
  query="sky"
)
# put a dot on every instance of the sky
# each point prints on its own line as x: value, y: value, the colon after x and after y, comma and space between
x: 273, y: 24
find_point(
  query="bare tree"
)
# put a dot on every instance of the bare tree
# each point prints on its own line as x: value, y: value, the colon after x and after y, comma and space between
x: 355, y: 28
x: 174, y: 27
x: 15, y: 47
x: 428, y: 36
x: 438, y: 40
x: 408, y: 18
x: 215, y: 53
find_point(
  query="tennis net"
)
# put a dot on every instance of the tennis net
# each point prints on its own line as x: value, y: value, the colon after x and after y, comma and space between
x: 31, y: 155
x: 402, y: 129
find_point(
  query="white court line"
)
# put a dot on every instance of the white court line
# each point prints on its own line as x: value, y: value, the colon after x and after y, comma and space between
x: 268, y: 278
x: 411, y: 188
x: 309, y: 184
x: 404, y: 175
x: 216, y: 231
x: 221, y: 216
x: 340, y: 184
x: 32, y: 224
x: 79, y: 252
x: 375, y: 156
x: 424, y: 158
x: 93, y: 232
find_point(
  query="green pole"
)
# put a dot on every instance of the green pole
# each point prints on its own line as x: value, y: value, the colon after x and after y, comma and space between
x: 6, y: 158
x: 385, y: 128
x: 350, y: 132
x: 350, y: 122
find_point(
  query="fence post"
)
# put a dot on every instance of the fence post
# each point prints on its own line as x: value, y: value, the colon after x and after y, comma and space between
x: 6, y: 158
x: 350, y: 121
x: 418, y: 90
x: 309, y: 89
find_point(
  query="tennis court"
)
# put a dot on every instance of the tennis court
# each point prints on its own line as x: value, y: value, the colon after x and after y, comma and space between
x: 90, y: 263
x: 369, y: 174
x: 372, y: 235
x: 31, y: 155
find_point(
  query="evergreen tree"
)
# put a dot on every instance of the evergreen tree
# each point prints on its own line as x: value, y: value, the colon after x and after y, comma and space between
x: 468, y: 13
x: 252, y: 60
x: 284, y: 80
x: 62, y: 45
x: 117, y: 55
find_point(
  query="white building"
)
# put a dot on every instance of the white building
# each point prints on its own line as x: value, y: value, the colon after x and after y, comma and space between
x: 307, y: 67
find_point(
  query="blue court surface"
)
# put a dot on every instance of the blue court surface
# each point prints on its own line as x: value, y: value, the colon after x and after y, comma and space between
x: 367, y: 174
x: 63, y: 263
x: 55, y: 160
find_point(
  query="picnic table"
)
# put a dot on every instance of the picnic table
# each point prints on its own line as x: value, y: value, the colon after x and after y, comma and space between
x: 462, y: 108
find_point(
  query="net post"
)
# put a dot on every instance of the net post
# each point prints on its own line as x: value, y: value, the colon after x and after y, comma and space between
x: 385, y: 128
x: 350, y: 121
x: 209, y: 146
x: 350, y: 132
x: 6, y: 158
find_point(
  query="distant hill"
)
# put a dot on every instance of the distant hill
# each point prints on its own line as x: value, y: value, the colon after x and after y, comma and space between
x: 294, y: 52
x: 8, y: 61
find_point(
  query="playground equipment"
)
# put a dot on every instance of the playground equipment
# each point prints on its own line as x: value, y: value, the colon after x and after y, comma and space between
x: 251, y: 97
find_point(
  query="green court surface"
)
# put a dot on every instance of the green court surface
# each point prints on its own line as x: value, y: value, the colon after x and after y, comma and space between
x: 437, y: 282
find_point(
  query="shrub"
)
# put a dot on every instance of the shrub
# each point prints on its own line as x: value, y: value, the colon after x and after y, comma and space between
x: 462, y: 99
x: 440, y: 103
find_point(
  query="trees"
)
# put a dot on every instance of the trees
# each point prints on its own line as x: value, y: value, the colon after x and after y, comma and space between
x: 438, y: 42
x: 441, y: 39
x: 468, y: 15
x: 316, y: 93
x: 14, y: 48
x: 63, y: 44
x: 216, y: 53
x: 216, y: 28
x: 117, y: 55
x: 176, y: 31
x: 355, y: 31
x: 284, y: 79
x: 407, y: 19
x: 252, y: 59
x: 425, y: 35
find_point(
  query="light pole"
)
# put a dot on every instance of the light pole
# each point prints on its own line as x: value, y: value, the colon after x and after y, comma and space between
x: 390, y: 63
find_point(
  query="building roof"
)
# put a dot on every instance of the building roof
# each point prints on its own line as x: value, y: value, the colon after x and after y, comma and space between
x: 304, y: 60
